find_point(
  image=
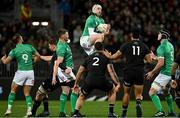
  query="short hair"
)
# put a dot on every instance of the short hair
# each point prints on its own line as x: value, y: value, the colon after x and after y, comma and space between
x: 61, y: 32
x: 52, y: 41
x: 165, y: 34
x: 95, y: 6
x: 135, y: 32
x: 16, y: 38
x: 99, y: 46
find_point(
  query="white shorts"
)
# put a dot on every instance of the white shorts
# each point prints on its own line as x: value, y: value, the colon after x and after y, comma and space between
x: 24, y: 77
x: 63, y: 77
x: 161, y: 81
x: 86, y: 45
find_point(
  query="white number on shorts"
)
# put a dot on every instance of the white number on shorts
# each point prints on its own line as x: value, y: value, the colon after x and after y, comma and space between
x: 25, y: 57
x: 96, y: 61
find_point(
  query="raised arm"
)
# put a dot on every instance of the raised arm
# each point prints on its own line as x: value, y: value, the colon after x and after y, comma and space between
x: 46, y: 58
x: 6, y: 59
x: 114, y: 56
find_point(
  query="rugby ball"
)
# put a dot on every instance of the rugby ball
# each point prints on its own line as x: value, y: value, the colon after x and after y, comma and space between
x: 102, y: 28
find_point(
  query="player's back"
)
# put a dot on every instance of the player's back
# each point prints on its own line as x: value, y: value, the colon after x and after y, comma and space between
x: 134, y: 53
x: 166, y: 50
x: 96, y: 65
x: 23, y: 54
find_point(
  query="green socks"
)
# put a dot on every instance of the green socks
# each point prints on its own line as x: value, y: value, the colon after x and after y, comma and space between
x: 169, y: 101
x: 63, y: 99
x: 28, y: 101
x: 11, y: 99
x: 156, y: 101
x: 73, y: 99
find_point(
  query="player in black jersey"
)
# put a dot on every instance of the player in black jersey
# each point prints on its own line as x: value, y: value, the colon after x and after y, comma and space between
x: 134, y: 52
x: 176, y: 81
x: 47, y: 87
x: 96, y: 66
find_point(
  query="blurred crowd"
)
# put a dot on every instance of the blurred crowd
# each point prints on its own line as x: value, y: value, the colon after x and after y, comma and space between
x: 149, y: 16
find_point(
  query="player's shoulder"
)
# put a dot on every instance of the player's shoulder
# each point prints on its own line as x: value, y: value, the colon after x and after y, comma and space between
x: 28, y: 45
x: 100, y: 56
x: 125, y: 45
x: 90, y: 18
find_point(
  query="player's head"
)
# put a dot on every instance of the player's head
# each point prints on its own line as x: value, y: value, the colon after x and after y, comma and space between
x: 99, y: 46
x: 97, y: 9
x: 17, y: 38
x: 163, y: 34
x: 63, y: 34
x: 52, y: 45
x: 135, y: 32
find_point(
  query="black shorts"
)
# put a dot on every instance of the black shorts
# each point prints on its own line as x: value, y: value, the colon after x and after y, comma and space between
x: 133, y: 77
x: 103, y: 84
x: 47, y: 84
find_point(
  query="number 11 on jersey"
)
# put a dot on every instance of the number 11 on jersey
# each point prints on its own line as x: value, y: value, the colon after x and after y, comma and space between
x: 136, y: 50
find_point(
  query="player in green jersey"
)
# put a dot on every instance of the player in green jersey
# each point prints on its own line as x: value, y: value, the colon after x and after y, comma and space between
x: 24, y: 76
x: 90, y: 34
x: 165, y: 57
x: 64, y: 56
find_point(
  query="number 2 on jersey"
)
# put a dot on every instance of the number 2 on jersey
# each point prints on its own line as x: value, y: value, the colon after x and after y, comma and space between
x: 136, y: 50
x: 96, y: 62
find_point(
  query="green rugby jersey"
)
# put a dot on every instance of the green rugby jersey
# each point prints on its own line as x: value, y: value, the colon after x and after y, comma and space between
x: 23, y: 53
x: 91, y: 22
x: 63, y: 50
x: 166, y: 50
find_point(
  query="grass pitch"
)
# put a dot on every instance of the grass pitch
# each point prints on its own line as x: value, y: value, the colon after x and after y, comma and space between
x: 90, y: 109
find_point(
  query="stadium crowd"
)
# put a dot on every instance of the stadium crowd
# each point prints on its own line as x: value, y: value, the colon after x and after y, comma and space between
x: 149, y: 15
x: 123, y: 16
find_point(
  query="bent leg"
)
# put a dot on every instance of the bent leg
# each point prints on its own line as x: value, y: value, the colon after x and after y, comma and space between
x: 11, y: 98
x: 112, y: 100
x: 155, y: 99
x: 169, y: 100
x: 96, y: 38
x: 79, y: 103
x: 63, y: 99
x: 27, y: 89
x: 125, y: 101
x: 40, y: 95
x: 138, y: 89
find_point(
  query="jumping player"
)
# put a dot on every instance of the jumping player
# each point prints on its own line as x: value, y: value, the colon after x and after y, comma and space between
x: 90, y: 34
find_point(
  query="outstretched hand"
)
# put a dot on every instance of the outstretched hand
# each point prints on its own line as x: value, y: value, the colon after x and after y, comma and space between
x: 54, y: 81
x: 117, y: 88
x: 107, y: 53
x: 149, y: 75
x: 76, y: 87
x: 4, y: 57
